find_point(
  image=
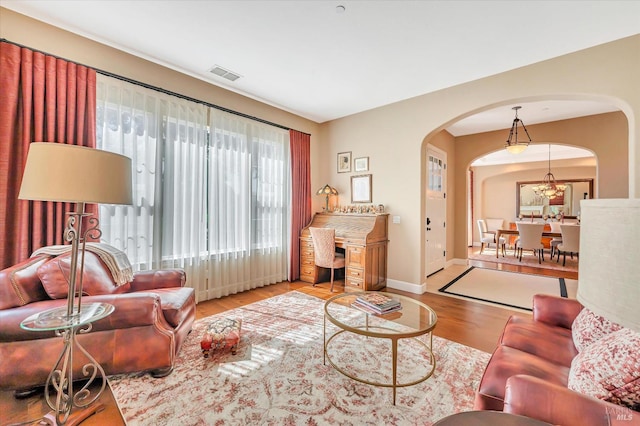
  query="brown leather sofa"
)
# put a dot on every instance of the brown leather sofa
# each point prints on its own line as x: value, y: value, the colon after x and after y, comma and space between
x: 153, y: 315
x: 529, y: 371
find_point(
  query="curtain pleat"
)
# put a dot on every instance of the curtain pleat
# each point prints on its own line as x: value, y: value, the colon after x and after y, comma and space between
x: 43, y: 99
x: 300, y: 195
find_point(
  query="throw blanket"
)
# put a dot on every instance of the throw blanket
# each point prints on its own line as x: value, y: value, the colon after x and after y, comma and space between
x: 116, y: 260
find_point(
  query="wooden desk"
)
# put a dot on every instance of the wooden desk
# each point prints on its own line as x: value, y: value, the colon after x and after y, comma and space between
x: 363, y: 237
x: 545, y: 234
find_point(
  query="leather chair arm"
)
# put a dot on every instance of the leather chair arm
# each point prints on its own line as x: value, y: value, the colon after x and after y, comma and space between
x: 160, y: 278
x: 131, y: 310
x: 533, y: 397
x: 555, y: 310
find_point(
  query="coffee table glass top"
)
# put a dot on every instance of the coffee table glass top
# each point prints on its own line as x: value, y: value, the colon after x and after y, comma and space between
x: 414, y: 319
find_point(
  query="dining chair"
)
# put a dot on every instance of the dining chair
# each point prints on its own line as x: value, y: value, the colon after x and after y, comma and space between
x: 555, y: 227
x: 324, y: 250
x: 570, y: 242
x: 487, y: 237
x: 530, y: 238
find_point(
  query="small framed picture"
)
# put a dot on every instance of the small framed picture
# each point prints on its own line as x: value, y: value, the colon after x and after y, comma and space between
x: 361, y: 189
x: 361, y: 164
x: 344, y: 162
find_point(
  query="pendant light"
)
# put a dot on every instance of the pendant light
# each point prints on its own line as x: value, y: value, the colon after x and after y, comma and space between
x: 513, y: 145
x: 549, y: 188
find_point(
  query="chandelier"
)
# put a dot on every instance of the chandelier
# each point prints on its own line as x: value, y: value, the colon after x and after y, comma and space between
x: 548, y: 188
x: 513, y: 145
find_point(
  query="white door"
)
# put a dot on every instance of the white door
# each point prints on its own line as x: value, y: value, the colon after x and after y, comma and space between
x: 436, y: 210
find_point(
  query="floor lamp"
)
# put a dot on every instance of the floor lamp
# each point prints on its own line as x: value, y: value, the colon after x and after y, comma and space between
x: 80, y: 175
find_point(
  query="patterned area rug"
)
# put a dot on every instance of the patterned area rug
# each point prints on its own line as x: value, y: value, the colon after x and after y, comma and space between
x: 277, y: 376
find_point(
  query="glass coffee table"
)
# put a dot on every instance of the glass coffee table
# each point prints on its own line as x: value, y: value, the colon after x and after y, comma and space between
x: 356, y: 341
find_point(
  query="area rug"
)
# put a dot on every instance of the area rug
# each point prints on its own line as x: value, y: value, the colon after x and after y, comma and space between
x: 277, y: 376
x: 528, y: 259
x: 510, y: 289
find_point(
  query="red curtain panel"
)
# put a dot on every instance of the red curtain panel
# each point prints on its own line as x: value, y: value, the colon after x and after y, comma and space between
x: 43, y: 99
x: 300, y: 194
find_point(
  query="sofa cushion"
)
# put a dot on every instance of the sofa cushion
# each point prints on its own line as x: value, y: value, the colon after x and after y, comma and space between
x: 96, y: 277
x: 589, y: 327
x: 506, y: 362
x: 524, y: 334
x: 609, y: 369
x: 20, y: 285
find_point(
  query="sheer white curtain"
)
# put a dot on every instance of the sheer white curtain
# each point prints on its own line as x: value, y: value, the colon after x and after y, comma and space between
x: 248, y: 205
x: 211, y: 195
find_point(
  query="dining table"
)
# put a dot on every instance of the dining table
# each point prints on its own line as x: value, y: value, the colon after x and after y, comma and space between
x: 500, y: 232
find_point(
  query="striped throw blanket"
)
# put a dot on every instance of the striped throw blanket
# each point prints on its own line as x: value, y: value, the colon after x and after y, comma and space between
x: 116, y: 260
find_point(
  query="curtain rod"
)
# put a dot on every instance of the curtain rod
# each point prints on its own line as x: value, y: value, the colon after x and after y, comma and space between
x: 158, y: 89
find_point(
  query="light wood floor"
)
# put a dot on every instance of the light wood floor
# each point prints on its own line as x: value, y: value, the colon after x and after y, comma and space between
x: 467, y: 322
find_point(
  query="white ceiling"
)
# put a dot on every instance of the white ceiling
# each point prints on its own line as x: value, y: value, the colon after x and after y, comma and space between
x: 306, y: 58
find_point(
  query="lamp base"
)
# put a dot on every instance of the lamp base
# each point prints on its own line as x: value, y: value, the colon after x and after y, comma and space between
x: 76, y: 417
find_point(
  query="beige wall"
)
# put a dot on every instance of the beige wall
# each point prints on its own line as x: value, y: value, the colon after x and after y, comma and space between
x: 392, y: 136
x: 606, y: 135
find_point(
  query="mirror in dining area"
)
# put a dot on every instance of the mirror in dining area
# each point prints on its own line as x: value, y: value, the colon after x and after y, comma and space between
x: 529, y: 204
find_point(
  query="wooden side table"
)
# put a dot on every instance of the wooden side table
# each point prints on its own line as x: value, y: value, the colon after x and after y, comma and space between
x: 488, y: 418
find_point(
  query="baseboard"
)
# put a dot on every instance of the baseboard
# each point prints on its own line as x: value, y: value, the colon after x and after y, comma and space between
x: 420, y: 288
x: 408, y: 287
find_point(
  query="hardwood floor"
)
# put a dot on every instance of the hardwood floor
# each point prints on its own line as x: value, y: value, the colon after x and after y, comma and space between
x: 467, y: 322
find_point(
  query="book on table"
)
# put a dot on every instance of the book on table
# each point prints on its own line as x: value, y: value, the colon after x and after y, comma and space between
x: 377, y: 303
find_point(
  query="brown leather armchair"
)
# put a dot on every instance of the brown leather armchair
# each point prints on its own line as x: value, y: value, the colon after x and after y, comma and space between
x: 153, y: 315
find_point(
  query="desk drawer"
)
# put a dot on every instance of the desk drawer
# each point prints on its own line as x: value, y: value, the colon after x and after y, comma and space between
x: 355, y: 273
x: 354, y: 282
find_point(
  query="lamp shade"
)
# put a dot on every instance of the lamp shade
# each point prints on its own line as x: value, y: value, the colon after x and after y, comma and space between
x: 609, y: 271
x: 327, y: 190
x: 76, y: 174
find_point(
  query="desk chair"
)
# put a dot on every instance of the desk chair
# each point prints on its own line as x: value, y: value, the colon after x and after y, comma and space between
x: 530, y: 238
x: 570, y: 242
x: 324, y: 250
x: 487, y: 237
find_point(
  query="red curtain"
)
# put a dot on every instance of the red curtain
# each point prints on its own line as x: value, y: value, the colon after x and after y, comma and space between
x: 301, y: 194
x: 43, y: 99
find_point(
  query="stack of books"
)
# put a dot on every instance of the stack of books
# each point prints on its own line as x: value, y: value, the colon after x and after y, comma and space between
x: 376, y: 303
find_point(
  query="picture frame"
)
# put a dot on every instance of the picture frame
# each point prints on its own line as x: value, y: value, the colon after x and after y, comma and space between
x: 344, y: 162
x: 361, y: 164
x: 361, y: 189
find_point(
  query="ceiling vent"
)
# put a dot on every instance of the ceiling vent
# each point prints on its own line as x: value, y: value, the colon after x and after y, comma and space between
x: 224, y: 73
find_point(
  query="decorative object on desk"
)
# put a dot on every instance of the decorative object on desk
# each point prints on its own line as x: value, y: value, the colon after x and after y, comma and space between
x: 344, y: 162
x: 361, y: 164
x: 361, y: 189
x: 327, y: 190
x: 513, y: 145
x: 74, y: 174
x: 548, y: 188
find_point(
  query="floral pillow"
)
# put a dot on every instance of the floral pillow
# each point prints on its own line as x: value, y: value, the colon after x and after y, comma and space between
x: 609, y: 369
x: 589, y: 327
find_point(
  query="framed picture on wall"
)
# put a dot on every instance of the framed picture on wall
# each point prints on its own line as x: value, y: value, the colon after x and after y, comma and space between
x: 344, y: 162
x: 361, y: 164
x: 361, y: 189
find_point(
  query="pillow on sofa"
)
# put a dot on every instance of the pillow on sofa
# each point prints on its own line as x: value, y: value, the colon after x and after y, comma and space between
x: 20, y: 285
x: 609, y: 369
x: 589, y: 327
x: 96, y: 277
